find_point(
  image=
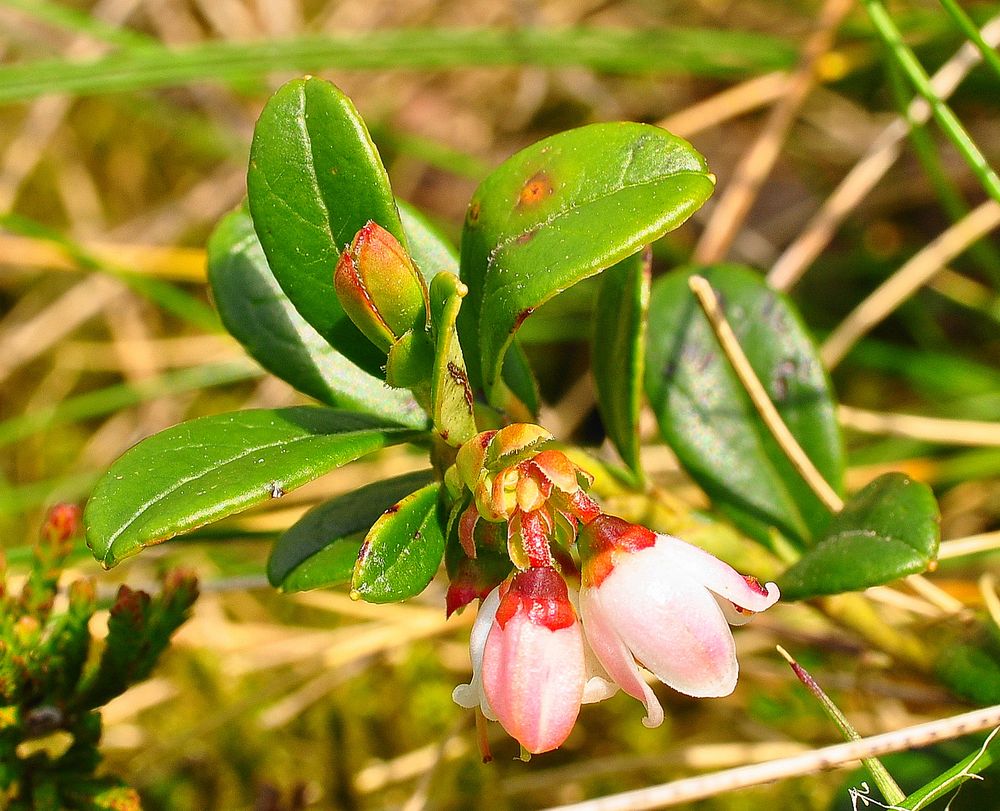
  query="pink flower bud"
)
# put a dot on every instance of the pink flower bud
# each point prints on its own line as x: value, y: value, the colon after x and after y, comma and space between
x: 529, y: 669
x: 653, y: 598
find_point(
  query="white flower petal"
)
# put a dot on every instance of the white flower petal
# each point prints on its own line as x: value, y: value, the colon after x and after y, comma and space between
x: 472, y: 694
x: 610, y: 650
x: 671, y: 623
x: 714, y: 574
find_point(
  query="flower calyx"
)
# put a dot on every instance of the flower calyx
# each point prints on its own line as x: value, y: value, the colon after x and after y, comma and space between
x: 511, y: 476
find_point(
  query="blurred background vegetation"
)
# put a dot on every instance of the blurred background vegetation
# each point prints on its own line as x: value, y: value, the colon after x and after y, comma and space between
x: 124, y: 133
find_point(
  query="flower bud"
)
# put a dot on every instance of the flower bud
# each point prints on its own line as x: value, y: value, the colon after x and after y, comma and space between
x: 379, y: 288
x: 533, y: 665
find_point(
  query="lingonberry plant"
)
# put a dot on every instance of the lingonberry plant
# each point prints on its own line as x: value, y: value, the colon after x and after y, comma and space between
x: 351, y: 296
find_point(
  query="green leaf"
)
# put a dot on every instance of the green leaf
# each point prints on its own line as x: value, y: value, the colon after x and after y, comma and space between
x: 452, y: 402
x: 255, y: 310
x: 315, y: 179
x: 561, y: 210
x: 708, y: 419
x: 199, y: 471
x: 888, y: 530
x: 618, y: 351
x: 430, y: 250
x: 950, y: 780
x: 403, y: 550
x: 321, y: 548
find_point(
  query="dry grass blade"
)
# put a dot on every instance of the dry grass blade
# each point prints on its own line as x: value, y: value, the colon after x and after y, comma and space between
x: 163, y: 262
x: 758, y: 394
x: 757, y: 162
x: 867, y: 172
x: 23, y: 343
x: 47, y: 114
x: 908, y: 279
x: 926, y: 429
x: 697, y: 788
x: 971, y: 545
x: 728, y: 104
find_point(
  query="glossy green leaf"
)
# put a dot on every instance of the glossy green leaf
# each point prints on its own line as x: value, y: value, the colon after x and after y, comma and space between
x: 255, y: 310
x: 199, y: 471
x: 888, y: 530
x: 452, y: 401
x: 403, y: 550
x: 618, y: 351
x: 321, y: 548
x: 561, y: 210
x: 315, y: 179
x: 430, y: 250
x: 708, y: 419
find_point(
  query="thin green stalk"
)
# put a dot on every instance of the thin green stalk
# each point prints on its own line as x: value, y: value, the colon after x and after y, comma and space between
x: 984, y: 252
x: 942, y: 113
x: 682, y: 51
x: 890, y: 788
x: 971, y: 31
x: 949, y: 781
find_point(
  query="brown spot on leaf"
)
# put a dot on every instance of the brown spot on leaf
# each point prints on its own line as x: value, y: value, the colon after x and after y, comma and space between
x: 523, y: 315
x: 527, y: 236
x: 473, y: 215
x: 535, y: 189
x: 461, y: 378
x: 393, y: 509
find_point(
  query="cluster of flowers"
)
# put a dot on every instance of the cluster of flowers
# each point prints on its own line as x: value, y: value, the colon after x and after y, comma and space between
x: 554, y: 635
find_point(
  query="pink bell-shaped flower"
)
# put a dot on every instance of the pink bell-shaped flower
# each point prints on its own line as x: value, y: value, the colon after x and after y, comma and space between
x: 657, y: 600
x: 531, y: 668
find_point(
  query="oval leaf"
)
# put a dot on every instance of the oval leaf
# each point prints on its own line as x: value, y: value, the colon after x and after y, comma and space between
x: 564, y: 209
x: 211, y: 467
x: 321, y: 548
x: 888, y: 530
x: 403, y: 550
x: 430, y: 251
x: 618, y: 351
x: 256, y: 311
x: 705, y: 415
x: 315, y: 179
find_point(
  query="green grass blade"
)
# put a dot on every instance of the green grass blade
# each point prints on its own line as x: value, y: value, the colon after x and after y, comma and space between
x: 971, y: 31
x: 950, y: 780
x: 889, y: 788
x: 23, y: 497
x: 680, y: 51
x: 77, y: 22
x: 947, y: 191
x: 434, y: 153
x: 942, y: 113
x: 123, y: 395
